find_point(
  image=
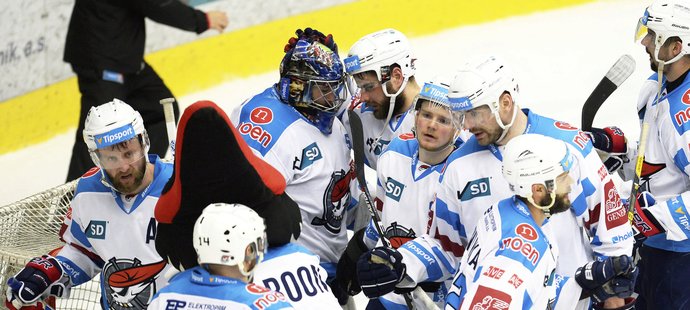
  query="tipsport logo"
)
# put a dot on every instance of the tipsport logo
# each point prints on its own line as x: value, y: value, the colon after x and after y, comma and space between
x: 435, y: 93
x: 352, y: 64
x: 460, y: 104
x: 114, y: 136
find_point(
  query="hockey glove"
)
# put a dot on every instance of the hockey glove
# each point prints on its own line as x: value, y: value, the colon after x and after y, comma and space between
x: 645, y: 222
x: 612, y: 143
x: 311, y: 35
x: 614, y: 276
x: 37, y: 280
x: 346, y: 272
x: 379, y: 270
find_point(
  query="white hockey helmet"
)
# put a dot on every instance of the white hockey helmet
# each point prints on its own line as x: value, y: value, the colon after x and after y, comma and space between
x: 667, y: 18
x: 378, y: 51
x: 112, y: 123
x: 535, y: 159
x: 230, y: 235
x: 481, y: 83
x: 436, y: 91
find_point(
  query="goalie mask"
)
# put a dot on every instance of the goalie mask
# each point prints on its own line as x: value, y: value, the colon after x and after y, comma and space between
x: 666, y: 18
x: 530, y: 159
x: 230, y: 235
x: 115, y: 136
x: 312, y: 81
x: 481, y: 84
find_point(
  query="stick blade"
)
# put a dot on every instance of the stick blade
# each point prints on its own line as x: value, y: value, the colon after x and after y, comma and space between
x: 619, y: 72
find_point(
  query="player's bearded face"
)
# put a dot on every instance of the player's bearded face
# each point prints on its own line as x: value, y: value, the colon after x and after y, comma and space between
x: 125, y: 165
x: 371, y: 92
x: 482, y: 124
x: 561, y: 204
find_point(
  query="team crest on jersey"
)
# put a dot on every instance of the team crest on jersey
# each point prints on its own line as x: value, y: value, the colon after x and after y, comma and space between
x: 128, y: 284
x: 398, y: 234
x: 475, y: 188
x: 377, y: 146
x: 487, y: 298
x: 336, y: 198
x: 615, y: 212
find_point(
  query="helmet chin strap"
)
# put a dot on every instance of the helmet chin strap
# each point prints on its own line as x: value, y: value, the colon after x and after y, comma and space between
x: 547, y: 208
x: 505, y: 127
x: 391, y: 104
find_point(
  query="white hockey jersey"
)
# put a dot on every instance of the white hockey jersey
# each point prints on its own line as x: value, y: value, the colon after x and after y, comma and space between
x: 666, y: 166
x: 377, y: 135
x: 197, y: 289
x: 295, y: 272
x: 102, y: 235
x: 317, y: 169
x: 509, y: 264
x: 405, y: 191
x: 596, y: 226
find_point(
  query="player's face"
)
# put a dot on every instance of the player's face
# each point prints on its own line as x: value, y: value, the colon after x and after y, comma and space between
x: 371, y: 92
x: 434, y: 127
x: 482, y: 124
x: 563, y: 188
x: 648, y: 41
x: 125, y: 164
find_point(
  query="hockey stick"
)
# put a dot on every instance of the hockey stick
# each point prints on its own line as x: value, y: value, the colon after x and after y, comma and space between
x: 169, y: 126
x: 358, y: 148
x: 619, y: 72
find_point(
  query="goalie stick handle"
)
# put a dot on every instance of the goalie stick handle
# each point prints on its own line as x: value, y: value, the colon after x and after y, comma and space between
x: 617, y: 74
x: 170, y: 126
x: 358, y: 148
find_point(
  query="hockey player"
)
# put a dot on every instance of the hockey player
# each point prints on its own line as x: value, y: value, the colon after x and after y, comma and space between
x: 511, y: 258
x: 660, y: 207
x: 230, y: 240
x: 382, y: 67
x: 110, y: 227
x: 292, y: 126
x: 595, y: 228
x: 408, y: 173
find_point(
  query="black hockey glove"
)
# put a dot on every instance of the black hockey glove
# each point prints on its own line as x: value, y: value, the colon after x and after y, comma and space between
x: 346, y: 272
x: 379, y: 271
x: 613, y: 277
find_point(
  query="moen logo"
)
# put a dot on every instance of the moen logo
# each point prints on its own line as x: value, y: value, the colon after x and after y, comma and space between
x: 256, y: 132
x: 95, y: 230
x: 394, y: 189
x: 474, y: 189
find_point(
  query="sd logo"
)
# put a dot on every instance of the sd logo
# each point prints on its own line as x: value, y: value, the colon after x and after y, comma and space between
x: 394, y: 189
x: 95, y: 230
x: 475, y: 188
